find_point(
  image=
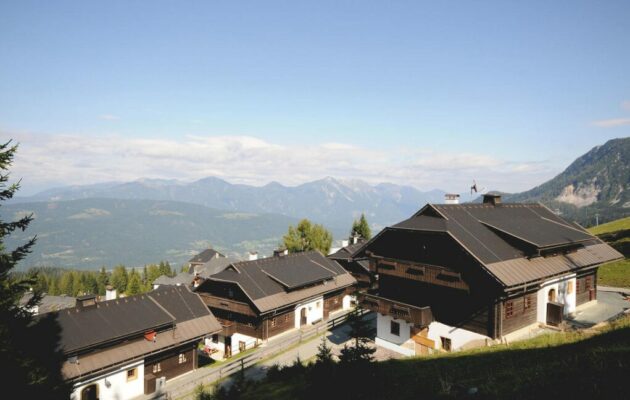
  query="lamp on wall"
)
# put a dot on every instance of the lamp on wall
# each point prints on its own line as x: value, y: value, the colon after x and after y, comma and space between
x: 107, y: 383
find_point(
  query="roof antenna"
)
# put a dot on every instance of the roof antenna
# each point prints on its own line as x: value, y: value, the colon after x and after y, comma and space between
x: 473, y: 188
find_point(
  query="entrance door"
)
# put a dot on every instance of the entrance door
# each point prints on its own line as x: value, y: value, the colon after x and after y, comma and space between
x: 554, y: 313
x: 228, y: 347
x: 303, y: 317
x: 90, y: 392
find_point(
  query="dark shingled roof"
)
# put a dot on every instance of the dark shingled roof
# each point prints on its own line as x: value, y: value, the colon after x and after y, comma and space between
x: 494, y: 234
x: 109, y: 321
x: 205, y: 256
x: 268, y: 276
x: 213, y: 266
x: 180, y: 302
x: 113, y: 320
x: 346, y: 253
x: 183, y: 278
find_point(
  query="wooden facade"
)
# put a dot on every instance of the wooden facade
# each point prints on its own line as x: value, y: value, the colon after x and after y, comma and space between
x: 169, y: 365
x: 586, y: 287
x: 517, y: 312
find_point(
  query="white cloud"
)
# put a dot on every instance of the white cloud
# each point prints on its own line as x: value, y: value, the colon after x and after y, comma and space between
x: 75, y: 159
x: 109, y: 117
x: 612, y: 123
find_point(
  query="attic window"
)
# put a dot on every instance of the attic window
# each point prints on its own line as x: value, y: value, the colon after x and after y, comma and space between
x: 446, y: 277
x: 415, y: 271
x: 386, y: 267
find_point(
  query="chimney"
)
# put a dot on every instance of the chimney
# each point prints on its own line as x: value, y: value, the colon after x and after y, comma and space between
x: 253, y: 255
x: 280, y: 252
x: 344, y: 243
x: 110, y: 292
x: 451, y: 198
x: 86, y: 301
x: 494, y: 199
x: 354, y: 239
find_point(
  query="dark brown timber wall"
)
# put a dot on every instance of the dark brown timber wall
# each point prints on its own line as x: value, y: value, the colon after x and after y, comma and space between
x: 170, y: 364
x: 586, y: 288
x: 518, y: 312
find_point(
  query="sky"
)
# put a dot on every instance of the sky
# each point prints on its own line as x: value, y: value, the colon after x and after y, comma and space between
x: 426, y: 94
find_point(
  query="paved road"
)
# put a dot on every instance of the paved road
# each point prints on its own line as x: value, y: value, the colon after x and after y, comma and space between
x: 609, y: 305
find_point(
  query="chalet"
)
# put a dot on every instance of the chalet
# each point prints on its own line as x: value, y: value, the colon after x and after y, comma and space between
x: 181, y: 279
x: 256, y: 300
x: 458, y: 275
x: 123, y: 348
x: 207, y: 263
x: 359, y: 268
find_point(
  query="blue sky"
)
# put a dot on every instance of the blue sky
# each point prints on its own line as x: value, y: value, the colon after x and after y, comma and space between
x: 430, y: 94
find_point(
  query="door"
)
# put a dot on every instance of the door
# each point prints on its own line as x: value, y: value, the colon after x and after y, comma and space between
x: 90, y: 392
x: 303, y: 317
x: 228, y: 347
x: 554, y: 313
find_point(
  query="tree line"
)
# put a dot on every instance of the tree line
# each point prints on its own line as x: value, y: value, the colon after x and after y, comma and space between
x: 57, y: 281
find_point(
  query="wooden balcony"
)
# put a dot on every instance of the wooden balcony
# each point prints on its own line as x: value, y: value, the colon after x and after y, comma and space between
x: 227, y: 304
x: 419, y: 316
x: 232, y: 327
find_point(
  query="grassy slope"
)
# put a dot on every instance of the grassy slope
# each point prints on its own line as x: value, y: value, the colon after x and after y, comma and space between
x: 574, y: 364
x: 616, y: 273
x: 613, y: 226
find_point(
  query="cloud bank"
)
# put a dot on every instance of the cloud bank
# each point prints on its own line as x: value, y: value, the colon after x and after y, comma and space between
x: 48, y: 160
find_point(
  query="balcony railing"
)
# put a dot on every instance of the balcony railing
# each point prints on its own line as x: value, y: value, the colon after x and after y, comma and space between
x: 420, y: 316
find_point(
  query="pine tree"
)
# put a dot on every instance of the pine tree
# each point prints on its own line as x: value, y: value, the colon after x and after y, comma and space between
x: 102, y: 281
x: 361, y: 228
x: 119, y: 278
x: 66, y: 285
x: 324, y: 353
x: 134, y: 286
x: 30, y: 357
x: 361, y: 332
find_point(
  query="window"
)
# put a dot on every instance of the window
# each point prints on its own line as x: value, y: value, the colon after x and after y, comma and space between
x: 132, y: 374
x: 215, y: 338
x: 509, y: 309
x: 578, y: 287
x: 157, y: 368
x: 182, y: 358
x: 273, y: 322
x: 394, y: 328
x: 569, y: 287
x: 414, y: 271
x: 527, y: 302
x: 336, y: 300
x: 90, y: 392
x: 446, y: 343
x: 551, y: 295
x: 588, y: 282
x: 241, y: 345
x: 286, y: 317
x: 386, y: 267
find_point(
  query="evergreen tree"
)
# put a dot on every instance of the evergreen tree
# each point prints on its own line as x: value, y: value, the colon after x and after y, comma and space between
x: 66, y: 285
x: 145, y: 276
x: 119, y: 279
x: 90, y: 283
x: 102, y: 281
x: 307, y: 236
x: 324, y: 353
x: 135, y: 285
x: 30, y: 358
x: 361, y: 228
x: 361, y: 332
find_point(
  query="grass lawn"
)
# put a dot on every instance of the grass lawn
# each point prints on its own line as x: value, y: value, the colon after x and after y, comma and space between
x: 584, y: 364
x: 612, y: 226
x: 615, y: 274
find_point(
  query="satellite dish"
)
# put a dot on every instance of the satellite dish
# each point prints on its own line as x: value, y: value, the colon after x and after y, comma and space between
x: 475, y: 189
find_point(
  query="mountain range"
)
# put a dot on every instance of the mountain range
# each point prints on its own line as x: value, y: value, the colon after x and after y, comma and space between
x: 149, y: 220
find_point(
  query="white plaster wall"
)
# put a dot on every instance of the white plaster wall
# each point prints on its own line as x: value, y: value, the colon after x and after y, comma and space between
x: 394, y: 347
x: 239, y: 337
x: 383, y: 329
x: 346, y: 302
x: 119, y: 389
x: 459, y: 337
x: 560, y: 285
x: 313, y: 313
